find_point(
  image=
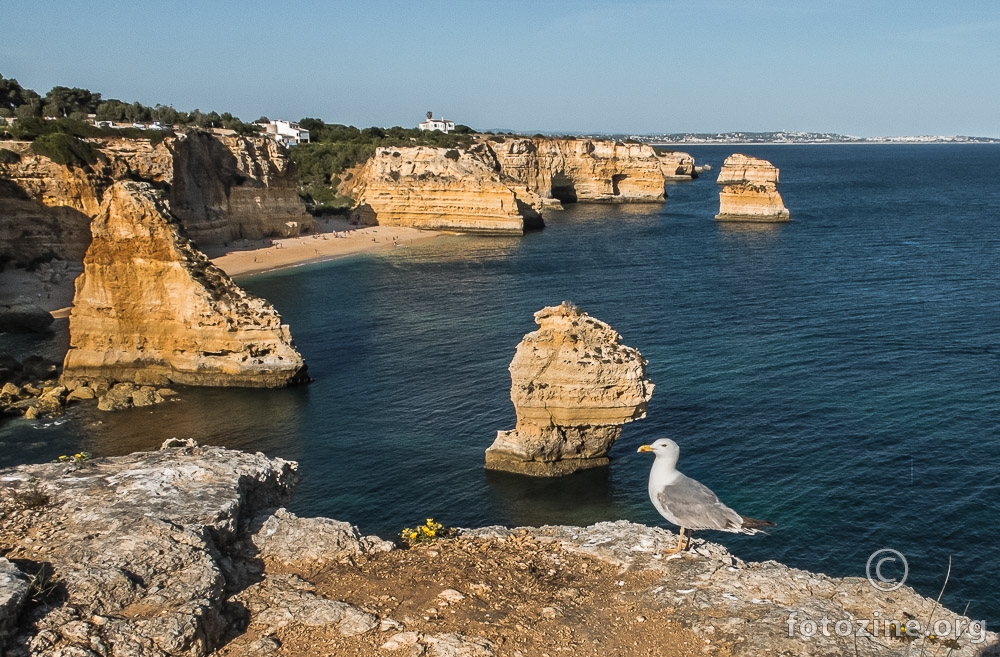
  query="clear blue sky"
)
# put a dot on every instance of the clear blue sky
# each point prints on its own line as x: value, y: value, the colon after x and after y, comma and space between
x: 860, y: 67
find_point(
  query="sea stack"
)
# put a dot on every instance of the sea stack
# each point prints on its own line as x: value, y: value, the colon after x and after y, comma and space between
x: 150, y: 309
x: 573, y: 385
x: 750, y: 191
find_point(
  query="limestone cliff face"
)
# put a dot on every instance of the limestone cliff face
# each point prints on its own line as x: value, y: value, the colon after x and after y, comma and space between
x: 573, y: 385
x: 750, y: 191
x: 438, y: 189
x: 502, y: 185
x: 221, y: 188
x: 226, y: 188
x: 586, y: 170
x: 151, y: 309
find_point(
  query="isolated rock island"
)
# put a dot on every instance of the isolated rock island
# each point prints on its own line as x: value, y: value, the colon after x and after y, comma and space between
x: 573, y: 385
x: 750, y: 191
x: 150, y: 309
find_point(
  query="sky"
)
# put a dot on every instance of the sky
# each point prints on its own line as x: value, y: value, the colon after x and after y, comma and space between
x: 856, y: 67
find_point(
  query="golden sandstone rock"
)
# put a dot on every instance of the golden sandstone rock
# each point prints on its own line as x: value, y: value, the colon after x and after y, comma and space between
x: 441, y: 189
x: 573, y: 385
x: 750, y: 191
x: 150, y: 309
x: 221, y: 189
x: 587, y: 170
x: 503, y: 184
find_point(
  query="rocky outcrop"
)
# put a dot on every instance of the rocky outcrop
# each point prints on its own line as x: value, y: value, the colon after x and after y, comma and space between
x: 22, y: 316
x: 150, y: 309
x: 14, y: 590
x: 221, y: 188
x: 759, y: 608
x: 586, y: 170
x: 750, y: 191
x: 503, y: 184
x: 441, y: 189
x: 573, y: 385
x: 182, y: 551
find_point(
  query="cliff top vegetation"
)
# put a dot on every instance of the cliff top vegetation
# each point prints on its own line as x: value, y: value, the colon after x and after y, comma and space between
x: 76, y: 103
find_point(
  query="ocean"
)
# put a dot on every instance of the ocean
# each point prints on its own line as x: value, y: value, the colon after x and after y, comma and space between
x: 838, y: 374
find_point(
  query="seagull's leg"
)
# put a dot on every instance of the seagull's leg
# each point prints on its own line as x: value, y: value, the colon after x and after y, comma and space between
x: 680, y: 544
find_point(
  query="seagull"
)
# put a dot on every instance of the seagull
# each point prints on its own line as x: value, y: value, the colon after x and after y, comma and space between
x: 687, y: 503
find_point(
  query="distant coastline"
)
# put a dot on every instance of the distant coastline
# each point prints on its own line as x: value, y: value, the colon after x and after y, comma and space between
x: 741, y: 138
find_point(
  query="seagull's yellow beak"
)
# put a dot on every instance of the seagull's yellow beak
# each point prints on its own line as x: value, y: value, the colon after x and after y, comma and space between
x: 646, y: 448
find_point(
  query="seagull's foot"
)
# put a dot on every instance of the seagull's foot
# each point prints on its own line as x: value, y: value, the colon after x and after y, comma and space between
x: 682, y: 543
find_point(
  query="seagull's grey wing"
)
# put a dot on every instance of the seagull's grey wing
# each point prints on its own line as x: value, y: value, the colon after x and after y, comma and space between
x: 695, y: 506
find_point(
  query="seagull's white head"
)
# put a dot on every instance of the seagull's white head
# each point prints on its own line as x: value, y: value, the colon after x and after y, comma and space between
x: 665, y: 449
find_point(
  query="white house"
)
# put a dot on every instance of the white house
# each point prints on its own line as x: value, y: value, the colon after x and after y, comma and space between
x: 443, y: 125
x: 286, y: 132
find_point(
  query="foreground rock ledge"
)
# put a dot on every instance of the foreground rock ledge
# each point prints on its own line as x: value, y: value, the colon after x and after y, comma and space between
x: 750, y: 191
x: 150, y: 309
x: 573, y: 385
x: 181, y: 552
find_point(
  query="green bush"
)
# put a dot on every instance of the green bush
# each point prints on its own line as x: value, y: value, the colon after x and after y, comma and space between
x: 9, y: 156
x: 451, y: 154
x: 65, y: 149
x: 322, y: 199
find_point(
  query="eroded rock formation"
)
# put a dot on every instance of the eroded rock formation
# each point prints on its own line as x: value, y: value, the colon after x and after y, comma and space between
x: 503, y: 184
x: 221, y: 188
x: 150, y: 309
x: 573, y: 385
x: 750, y: 191
x: 441, y: 189
x: 587, y: 170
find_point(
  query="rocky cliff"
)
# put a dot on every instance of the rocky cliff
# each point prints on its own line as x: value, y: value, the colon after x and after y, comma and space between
x: 573, y: 385
x: 503, y: 184
x: 149, y: 308
x: 181, y: 552
x: 441, y: 189
x: 750, y: 191
x: 586, y: 170
x: 221, y: 188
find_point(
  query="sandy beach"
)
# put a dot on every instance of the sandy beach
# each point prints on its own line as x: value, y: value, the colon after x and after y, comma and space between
x: 335, y: 238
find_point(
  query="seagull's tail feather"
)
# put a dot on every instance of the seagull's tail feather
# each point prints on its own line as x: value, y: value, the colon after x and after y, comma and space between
x: 753, y: 526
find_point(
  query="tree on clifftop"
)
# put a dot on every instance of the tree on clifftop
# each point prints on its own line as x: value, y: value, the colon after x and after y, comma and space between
x: 13, y: 95
x: 63, y: 101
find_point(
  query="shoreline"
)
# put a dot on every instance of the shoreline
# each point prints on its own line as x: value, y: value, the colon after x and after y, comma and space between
x: 826, y: 143
x: 334, y: 239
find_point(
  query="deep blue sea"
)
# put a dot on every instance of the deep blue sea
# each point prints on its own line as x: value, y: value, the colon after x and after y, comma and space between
x: 839, y: 374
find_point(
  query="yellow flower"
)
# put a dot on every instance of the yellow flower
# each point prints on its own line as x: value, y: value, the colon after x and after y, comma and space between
x: 413, y: 535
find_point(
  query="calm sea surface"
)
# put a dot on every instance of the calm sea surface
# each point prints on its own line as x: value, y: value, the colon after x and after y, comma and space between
x: 839, y: 375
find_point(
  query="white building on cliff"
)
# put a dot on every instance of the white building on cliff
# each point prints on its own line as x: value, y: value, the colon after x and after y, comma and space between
x: 285, y: 132
x: 443, y: 125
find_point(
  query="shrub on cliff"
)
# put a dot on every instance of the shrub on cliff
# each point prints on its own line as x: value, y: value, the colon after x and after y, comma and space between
x: 65, y: 149
x: 334, y: 148
x: 451, y: 154
x: 9, y: 156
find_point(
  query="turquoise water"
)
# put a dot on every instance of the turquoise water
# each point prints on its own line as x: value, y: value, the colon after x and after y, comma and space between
x: 839, y: 375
